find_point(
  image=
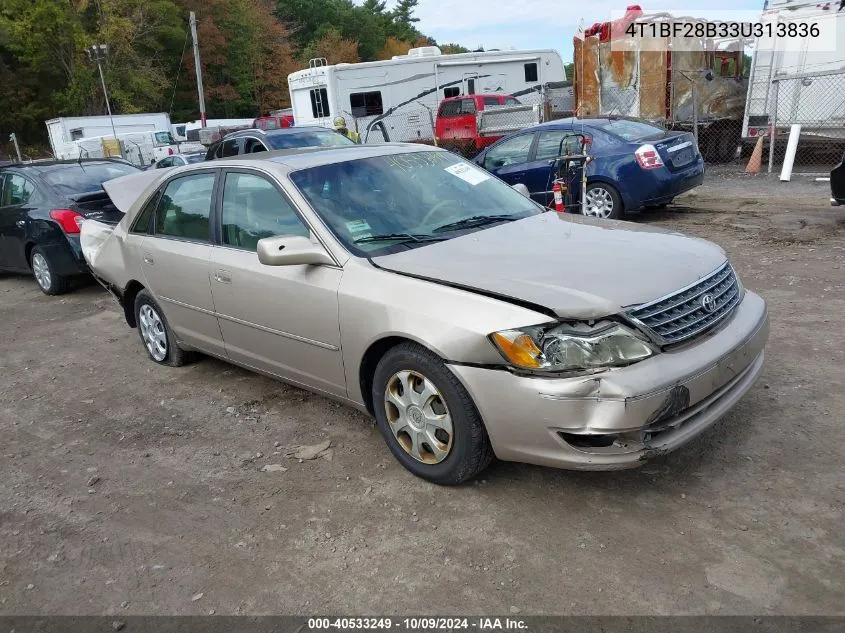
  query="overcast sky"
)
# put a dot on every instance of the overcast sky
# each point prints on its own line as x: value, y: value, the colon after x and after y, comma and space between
x: 538, y: 23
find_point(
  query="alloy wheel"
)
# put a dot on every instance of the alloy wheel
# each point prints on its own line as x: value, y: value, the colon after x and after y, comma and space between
x: 418, y: 417
x: 41, y: 270
x: 598, y: 203
x: 153, y: 332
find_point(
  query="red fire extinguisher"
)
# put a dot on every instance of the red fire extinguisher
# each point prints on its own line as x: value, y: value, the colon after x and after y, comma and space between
x: 558, y: 193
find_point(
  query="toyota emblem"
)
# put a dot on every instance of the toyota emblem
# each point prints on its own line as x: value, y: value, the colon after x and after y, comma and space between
x: 708, y: 303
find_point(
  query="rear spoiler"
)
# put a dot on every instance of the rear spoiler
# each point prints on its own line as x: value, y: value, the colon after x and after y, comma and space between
x: 124, y: 191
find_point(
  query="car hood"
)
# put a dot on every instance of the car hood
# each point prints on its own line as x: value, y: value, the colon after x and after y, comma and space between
x: 573, y: 266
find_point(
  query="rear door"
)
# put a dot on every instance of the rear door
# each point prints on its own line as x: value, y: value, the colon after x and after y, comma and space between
x: 279, y: 319
x: 175, y: 259
x: 18, y: 197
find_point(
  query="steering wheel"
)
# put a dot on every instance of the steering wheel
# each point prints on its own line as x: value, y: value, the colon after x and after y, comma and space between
x: 436, y: 209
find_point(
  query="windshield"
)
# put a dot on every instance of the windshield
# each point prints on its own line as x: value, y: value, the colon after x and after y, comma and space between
x: 629, y: 130
x: 194, y: 158
x: 415, y: 197
x: 308, y: 138
x: 85, y: 177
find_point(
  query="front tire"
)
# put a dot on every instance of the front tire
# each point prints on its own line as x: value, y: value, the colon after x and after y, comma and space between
x: 155, y: 333
x: 50, y: 282
x: 427, y: 418
x: 602, y: 201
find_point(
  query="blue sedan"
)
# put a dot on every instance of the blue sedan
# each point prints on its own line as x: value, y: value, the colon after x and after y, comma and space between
x: 634, y: 164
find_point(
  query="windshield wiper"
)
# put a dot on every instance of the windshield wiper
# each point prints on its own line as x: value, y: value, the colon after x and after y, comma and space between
x: 401, y: 237
x: 474, y: 221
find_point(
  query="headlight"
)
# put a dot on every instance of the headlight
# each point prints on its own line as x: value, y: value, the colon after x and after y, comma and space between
x: 572, y: 346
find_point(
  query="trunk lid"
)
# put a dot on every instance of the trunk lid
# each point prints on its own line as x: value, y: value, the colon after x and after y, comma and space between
x: 96, y: 205
x: 678, y: 150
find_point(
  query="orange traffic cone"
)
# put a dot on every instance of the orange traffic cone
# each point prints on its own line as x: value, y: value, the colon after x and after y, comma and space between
x: 756, y: 160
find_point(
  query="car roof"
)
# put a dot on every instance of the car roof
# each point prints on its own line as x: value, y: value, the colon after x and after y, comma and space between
x: 587, y: 121
x: 276, y: 132
x: 304, y: 157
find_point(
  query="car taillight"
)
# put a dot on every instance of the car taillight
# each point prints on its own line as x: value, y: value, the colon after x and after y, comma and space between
x: 647, y: 157
x: 70, y: 221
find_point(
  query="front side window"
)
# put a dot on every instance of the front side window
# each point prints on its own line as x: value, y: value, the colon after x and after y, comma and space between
x: 513, y: 151
x: 254, y: 209
x: 384, y: 204
x: 17, y: 190
x: 164, y: 138
x: 366, y: 103
x: 320, y: 103
x: 184, y: 208
x: 531, y: 72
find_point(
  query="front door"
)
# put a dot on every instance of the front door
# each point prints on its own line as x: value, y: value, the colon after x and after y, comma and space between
x: 15, y: 205
x: 550, y: 145
x: 175, y: 258
x: 508, y: 159
x: 279, y: 319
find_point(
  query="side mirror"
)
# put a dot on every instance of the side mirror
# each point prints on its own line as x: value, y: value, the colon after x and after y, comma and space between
x: 521, y: 189
x: 291, y: 250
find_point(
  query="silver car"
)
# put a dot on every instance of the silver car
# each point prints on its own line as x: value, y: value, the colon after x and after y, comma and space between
x: 411, y: 284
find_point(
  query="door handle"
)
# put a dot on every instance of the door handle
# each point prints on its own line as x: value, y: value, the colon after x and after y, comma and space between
x: 148, y: 259
x: 223, y: 276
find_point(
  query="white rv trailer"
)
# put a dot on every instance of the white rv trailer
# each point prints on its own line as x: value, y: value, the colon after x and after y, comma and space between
x: 63, y: 131
x: 808, y: 84
x: 403, y: 92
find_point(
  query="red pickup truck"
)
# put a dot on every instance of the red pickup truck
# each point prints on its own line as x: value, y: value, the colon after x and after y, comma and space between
x: 273, y: 122
x: 455, y: 126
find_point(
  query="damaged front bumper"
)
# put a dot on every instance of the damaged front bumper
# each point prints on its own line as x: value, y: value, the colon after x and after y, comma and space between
x: 619, y: 418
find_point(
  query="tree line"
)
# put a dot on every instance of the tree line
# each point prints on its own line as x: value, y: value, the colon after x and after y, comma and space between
x: 247, y: 50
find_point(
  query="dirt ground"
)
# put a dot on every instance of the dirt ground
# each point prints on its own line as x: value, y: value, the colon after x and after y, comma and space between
x: 128, y: 488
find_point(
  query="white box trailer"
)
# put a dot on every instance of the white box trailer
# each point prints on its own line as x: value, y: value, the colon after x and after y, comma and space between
x: 402, y: 93
x: 796, y: 82
x: 183, y: 131
x: 63, y: 131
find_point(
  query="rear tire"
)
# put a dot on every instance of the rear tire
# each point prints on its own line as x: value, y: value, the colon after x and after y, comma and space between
x: 156, y: 335
x: 50, y: 282
x: 602, y: 201
x: 435, y: 431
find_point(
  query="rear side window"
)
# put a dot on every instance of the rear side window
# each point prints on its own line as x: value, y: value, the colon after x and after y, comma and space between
x: 16, y: 190
x: 142, y: 222
x: 366, y: 103
x: 629, y: 130
x: 184, y: 208
x: 254, y: 209
x: 450, y: 108
x: 491, y: 101
x: 531, y: 72
x: 253, y: 145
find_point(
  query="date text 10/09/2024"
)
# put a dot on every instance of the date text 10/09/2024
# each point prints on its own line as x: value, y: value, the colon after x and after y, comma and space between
x: 419, y: 624
x: 723, y: 29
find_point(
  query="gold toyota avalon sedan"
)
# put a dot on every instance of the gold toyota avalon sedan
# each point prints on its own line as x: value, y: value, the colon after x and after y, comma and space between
x: 413, y: 285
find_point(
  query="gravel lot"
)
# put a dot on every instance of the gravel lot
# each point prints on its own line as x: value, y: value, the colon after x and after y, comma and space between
x: 129, y: 488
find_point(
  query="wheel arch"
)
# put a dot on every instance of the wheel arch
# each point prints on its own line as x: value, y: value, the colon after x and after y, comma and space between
x: 604, y: 180
x: 370, y: 360
x: 128, y: 301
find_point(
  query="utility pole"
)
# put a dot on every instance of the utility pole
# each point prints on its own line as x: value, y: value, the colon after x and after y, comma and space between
x: 14, y: 138
x: 193, y: 21
x: 97, y: 53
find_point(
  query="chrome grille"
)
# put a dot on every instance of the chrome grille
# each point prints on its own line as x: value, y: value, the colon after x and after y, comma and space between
x: 683, y: 315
